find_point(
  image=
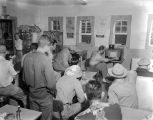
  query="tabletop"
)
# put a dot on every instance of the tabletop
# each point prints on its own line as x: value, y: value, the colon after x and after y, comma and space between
x: 133, y: 114
x: 26, y: 114
x: 86, y: 77
x: 127, y: 114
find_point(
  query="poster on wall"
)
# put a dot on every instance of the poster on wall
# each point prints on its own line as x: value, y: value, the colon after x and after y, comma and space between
x: 70, y: 27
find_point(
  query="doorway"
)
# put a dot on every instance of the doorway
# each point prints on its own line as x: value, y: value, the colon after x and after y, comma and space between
x: 7, y: 30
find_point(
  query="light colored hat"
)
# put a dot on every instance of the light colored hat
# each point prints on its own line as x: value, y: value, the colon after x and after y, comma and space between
x: 144, y: 62
x: 118, y: 71
x: 2, y: 49
x: 74, y: 71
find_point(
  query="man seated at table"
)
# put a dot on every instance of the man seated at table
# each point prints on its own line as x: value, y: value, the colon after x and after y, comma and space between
x: 69, y: 86
x: 7, y: 74
x: 98, y: 109
x: 122, y: 91
x: 143, y: 68
x: 62, y: 59
x: 98, y: 61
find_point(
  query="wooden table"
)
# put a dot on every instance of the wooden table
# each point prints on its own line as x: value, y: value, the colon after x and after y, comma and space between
x: 127, y: 114
x: 26, y: 114
x: 86, y: 77
x: 133, y: 114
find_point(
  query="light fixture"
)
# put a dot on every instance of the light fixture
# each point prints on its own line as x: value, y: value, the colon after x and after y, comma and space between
x: 84, y: 2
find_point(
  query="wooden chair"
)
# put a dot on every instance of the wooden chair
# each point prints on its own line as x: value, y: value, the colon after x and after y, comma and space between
x: 57, y: 109
x: 3, y: 100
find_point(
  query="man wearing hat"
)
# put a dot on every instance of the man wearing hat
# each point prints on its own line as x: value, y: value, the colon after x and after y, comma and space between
x: 7, y: 74
x: 67, y: 87
x: 122, y: 91
x: 143, y: 68
x: 98, y: 61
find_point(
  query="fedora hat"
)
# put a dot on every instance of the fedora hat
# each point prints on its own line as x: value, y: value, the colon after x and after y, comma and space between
x: 74, y: 71
x: 118, y: 71
x: 144, y: 62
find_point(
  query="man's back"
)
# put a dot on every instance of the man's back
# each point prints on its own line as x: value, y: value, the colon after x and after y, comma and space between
x: 63, y: 57
x: 6, y: 72
x: 37, y: 70
x: 125, y: 93
x: 66, y: 92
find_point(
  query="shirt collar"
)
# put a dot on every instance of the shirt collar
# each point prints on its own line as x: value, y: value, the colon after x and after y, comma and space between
x: 40, y: 50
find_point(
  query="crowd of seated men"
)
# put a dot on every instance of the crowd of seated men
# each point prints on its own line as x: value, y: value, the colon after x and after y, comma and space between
x: 50, y: 77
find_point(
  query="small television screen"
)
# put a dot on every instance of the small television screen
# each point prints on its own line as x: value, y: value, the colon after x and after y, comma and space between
x: 113, y: 53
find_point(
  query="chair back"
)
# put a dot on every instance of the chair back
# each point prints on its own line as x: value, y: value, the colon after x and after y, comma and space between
x: 3, y: 100
x: 58, y: 107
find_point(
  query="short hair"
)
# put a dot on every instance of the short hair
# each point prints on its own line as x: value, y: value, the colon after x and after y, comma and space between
x: 33, y: 46
x: 101, y: 47
x: 93, y: 89
x: 16, y: 34
x: 53, y: 42
x: 75, y: 59
x: 43, y: 41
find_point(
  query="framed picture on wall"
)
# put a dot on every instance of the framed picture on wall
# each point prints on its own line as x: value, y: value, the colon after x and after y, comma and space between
x: 151, y: 35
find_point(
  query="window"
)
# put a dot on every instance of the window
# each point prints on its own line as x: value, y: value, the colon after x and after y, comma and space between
x: 120, y: 30
x: 55, y: 23
x: 85, y: 30
x: 55, y: 29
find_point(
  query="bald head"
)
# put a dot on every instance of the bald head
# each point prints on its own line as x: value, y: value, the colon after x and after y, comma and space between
x: 2, y: 49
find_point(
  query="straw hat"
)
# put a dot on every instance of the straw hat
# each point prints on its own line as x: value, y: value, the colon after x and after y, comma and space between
x: 2, y: 49
x: 74, y: 71
x: 118, y: 71
x: 144, y: 62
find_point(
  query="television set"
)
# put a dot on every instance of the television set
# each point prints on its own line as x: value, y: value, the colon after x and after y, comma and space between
x: 115, y: 53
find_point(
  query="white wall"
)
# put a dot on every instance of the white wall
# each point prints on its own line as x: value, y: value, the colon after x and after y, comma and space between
x: 31, y: 14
